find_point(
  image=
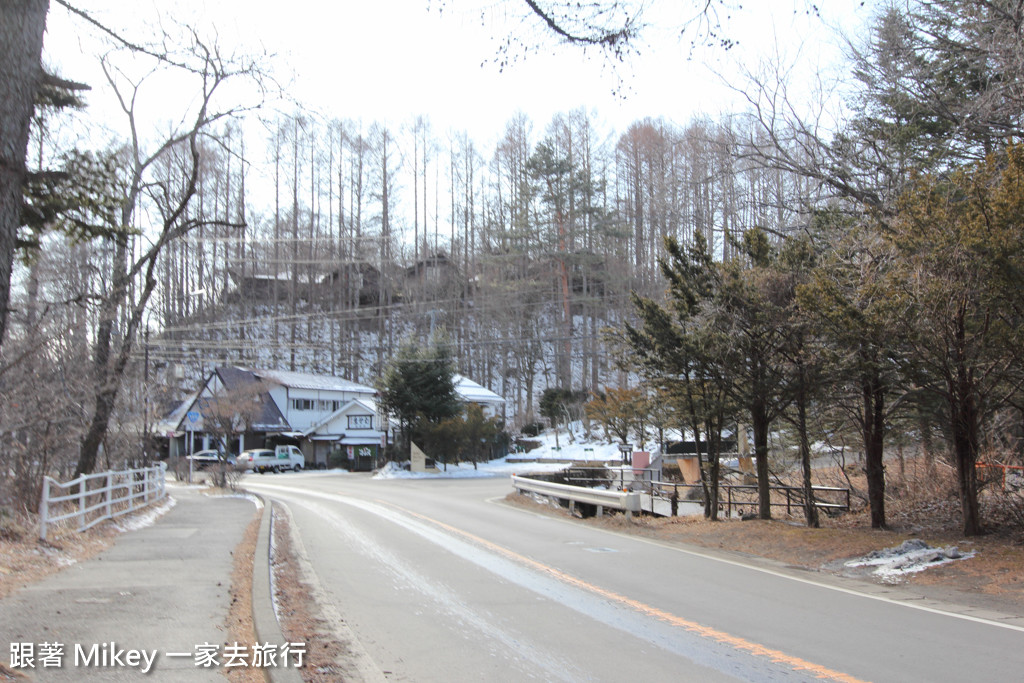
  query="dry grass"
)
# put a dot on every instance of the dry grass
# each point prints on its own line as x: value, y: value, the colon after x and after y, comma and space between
x: 299, y: 614
x: 25, y: 559
x: 239, y: 618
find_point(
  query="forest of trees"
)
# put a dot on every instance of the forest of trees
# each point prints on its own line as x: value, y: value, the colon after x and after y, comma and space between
x: 526, y: 257
x: 777, y: 269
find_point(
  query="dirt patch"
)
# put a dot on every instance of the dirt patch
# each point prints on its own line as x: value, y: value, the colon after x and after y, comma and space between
x: 25, y: 559
x: 992, y: 578
x: 239, y: 618
x: 298, y: 613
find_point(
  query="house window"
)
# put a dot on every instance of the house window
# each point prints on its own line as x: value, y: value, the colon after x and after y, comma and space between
x: 302, y: 404
x: 360, y: 422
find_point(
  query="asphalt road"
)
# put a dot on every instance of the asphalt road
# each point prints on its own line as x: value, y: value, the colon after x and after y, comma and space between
x: 441, y: 581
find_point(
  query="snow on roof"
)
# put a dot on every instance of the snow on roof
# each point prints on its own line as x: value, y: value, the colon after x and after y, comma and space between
x: 473, y: 392
x: 301, y: 380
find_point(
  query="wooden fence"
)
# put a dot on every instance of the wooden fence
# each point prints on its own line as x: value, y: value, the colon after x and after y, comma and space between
x: 92, y: 498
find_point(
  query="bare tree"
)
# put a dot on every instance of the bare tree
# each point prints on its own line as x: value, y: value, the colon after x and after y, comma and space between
x: 228, y: 414
x: 164, y: 180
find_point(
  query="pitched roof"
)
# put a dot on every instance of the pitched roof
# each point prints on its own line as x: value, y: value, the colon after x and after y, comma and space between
x: 473, y: 392
x: 366, y: 404
x: 270, y: 416
x: 302, y: 380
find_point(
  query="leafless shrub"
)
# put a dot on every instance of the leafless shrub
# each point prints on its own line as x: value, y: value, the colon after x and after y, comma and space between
x: 40, y: 418
x: 925, y: 496
x: 13, y: 526
x: 1003, y: 509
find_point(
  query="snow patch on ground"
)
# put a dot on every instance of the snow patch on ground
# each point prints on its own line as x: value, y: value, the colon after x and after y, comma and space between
x: 182, y: 485
x: 544, y: 458
x: 55, y: 555
x: 495, y: 468
x: 892, y: 564
x: 146, y: 518
x: 576, y: 447
x: 252, y: 498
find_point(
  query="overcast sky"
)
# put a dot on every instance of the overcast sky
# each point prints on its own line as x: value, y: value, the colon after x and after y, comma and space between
x: 390, y: 60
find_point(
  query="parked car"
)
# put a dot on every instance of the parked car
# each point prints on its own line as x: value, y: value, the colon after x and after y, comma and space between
x: 208, y: 458
x: 257, y: 459
x: 282, y: 459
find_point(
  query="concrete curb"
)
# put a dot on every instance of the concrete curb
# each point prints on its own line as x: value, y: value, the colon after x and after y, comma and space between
x: 264, y: 621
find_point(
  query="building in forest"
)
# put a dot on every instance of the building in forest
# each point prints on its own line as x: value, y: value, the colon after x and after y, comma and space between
x: 327, y: 417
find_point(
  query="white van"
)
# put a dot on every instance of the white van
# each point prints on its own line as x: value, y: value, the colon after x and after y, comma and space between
x: 282, y: 459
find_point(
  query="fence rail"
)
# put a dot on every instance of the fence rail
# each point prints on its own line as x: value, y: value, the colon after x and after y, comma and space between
x: 1003, y: 469
x: 91, y: 502
x: 731, y: 496
x: 826, y: 498
x: 619, y: 500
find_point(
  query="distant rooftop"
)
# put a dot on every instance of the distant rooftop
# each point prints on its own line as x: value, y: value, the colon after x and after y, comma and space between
x: 302, y: 380
x: 473, y: 392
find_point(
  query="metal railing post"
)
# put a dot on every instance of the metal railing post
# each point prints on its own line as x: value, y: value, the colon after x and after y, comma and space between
x: 83, y: 487
x: 110, y: 494
x: 44, y: 505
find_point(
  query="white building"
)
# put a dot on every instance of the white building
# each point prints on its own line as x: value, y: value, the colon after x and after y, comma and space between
x: 471, y: 392
x: 320, y: 413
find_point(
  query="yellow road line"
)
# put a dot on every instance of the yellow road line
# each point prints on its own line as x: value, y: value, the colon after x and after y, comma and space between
x: 737, y: 643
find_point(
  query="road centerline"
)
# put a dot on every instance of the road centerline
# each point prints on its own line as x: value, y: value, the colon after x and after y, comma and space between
x: 717, y: 635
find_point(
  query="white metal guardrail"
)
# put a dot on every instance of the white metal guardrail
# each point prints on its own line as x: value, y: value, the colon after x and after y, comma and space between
x: 119, y: 493
x: 618, y: 500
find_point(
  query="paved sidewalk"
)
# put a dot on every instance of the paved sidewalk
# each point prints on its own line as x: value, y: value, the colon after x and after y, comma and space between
x: 161, y: 589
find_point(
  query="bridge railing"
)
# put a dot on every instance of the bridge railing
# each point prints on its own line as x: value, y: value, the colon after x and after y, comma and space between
x: 626, y: 481
x: 627, y: 501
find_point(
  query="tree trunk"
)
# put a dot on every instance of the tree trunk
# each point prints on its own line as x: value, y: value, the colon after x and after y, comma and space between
x: 965, y: 450
x: 90, y: 447
x: 700, y: 469
x: 22, y: 23
x: 965, y: 417
x: 810, y: 506
x: 760, y: 423
x: 714, y: 432
x: 106, y: 384
x: 874, y: 435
